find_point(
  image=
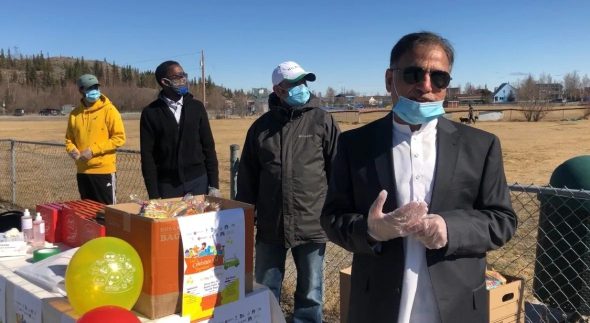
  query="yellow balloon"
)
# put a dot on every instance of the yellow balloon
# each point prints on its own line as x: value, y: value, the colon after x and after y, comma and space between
x: 104, y: 271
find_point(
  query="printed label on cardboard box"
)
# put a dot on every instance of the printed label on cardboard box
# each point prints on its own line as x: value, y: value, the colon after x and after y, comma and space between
x: 214, y: 258
x: 255, y: 308
x: 27, y: 307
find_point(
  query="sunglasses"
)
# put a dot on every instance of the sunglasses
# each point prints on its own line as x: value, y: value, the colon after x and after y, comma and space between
x: 415, y: 74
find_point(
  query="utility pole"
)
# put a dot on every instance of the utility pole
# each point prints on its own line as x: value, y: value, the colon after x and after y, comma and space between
x: 203, y: 76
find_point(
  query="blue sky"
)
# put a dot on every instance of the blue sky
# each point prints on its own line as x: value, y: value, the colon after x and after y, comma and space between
x: 345, y: 42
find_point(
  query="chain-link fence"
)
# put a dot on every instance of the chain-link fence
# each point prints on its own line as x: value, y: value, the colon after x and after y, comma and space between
x: 34, y: 172
x: 550, y: 250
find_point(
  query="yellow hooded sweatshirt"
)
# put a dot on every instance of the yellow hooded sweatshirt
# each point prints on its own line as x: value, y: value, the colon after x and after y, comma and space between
x: 100, y: 128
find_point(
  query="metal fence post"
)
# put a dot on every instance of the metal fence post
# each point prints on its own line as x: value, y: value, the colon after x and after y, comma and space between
x: 234, y: 163
x: 13, y: 169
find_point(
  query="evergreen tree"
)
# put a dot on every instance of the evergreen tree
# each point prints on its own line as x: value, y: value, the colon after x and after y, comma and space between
x: 9, y: 61
x: 209, y: 83
x: 115, y: 78
x: 97, y: 70
x: 107, y: 73
x: 30, y: 73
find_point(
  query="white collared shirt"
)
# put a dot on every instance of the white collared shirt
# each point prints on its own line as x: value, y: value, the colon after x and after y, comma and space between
x: 414, y: 162
x: 174, y: 106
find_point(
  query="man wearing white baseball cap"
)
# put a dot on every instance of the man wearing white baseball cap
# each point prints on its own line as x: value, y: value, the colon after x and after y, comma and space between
x: 284, y: 172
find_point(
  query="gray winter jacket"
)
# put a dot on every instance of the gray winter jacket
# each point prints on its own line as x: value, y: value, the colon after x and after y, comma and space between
x: 284, y: 171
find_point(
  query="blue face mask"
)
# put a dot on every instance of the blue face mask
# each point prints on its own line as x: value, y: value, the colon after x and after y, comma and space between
x: 92, y: 95
x: 415, y: 113
x: 298, y: 96
x: 181, y: 90
x: 179, y: 86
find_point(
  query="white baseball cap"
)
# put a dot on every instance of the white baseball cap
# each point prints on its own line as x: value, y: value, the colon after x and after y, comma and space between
x: 291, y: 72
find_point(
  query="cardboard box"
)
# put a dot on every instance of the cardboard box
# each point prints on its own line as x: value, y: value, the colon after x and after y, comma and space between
x: 513, y: 319
x: 344, y: 293
x: 58, y: 309
x: 157, y: 241
x: 506, y: 301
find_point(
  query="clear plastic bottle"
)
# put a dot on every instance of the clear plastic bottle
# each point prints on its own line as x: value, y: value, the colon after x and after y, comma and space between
x: 38, y: 231
x: 26, y: 224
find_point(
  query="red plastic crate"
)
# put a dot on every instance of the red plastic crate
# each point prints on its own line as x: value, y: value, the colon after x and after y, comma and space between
x: 69, y: 225
x: 51, y: 214
x: 78, y: 222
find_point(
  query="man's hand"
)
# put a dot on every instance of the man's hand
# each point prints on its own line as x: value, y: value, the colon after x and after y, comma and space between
x: 432, y: 231
x: 86, y: 154
x: 74, y: 153
x: 213, y: 191
x: 399, y: 223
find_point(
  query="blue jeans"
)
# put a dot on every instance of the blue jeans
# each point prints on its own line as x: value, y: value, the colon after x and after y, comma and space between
x: 309, y: 261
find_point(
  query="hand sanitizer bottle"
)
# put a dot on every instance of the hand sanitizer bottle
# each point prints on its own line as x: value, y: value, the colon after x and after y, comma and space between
x: 27, y: 226
x: 38, y: 231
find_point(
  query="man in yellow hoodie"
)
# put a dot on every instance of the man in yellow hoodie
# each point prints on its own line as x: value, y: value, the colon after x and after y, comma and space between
x: 95, y: 131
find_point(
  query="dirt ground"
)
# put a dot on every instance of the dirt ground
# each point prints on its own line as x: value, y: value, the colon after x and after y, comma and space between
x: 532, y: 150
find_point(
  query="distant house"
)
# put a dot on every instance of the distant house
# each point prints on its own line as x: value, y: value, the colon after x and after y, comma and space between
x: 504, y: 93
x: 451, y: 104
x: 373, y: 101
x: 258, y: 102
x: 478, y: 96
x: 550, y: 91
x: 378, y: 101
x: 452, y: 93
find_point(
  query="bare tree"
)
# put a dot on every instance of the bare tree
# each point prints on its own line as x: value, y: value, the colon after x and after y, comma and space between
x: 469, y: 88
x: 241, y: 102
x: 545, y: 78
x: 330, y: 94
x: 572, y: 85
x: 216, y: 102
x: 533, y: 108
x: 585, y: 88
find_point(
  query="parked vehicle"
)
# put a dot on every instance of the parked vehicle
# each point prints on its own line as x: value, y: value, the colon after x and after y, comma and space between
x: 19, y: 112
x: 66, y: 109
x: 49, y: 112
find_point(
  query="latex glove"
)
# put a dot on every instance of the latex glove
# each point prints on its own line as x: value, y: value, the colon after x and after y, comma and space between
x: 74, y: 153
x: 399, y: 223
x: 86, y: 154
x: 431, y: 231
x: 213, y: 191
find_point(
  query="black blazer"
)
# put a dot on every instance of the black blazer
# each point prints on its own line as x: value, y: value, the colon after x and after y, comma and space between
x: 176, y: 153
x: 470, y: 193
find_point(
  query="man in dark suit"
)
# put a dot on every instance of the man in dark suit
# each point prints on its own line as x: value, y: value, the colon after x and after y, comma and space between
x: 177, y: 147
x: 419, y: 255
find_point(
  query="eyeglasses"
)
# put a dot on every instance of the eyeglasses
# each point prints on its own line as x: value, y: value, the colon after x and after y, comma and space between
x: 177, y: 76
x: 415, y: 74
